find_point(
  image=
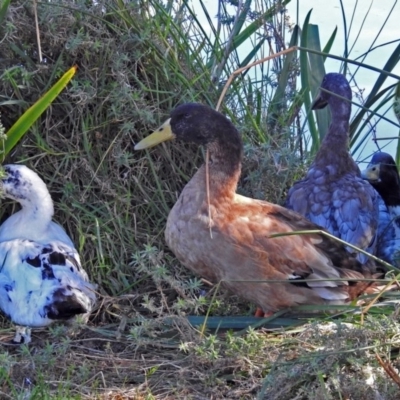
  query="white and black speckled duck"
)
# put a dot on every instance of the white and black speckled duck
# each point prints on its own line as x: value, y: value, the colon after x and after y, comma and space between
x: 333, y: 194
x: 226, y: 237
x: 383, y: 175
x: 41, y: 277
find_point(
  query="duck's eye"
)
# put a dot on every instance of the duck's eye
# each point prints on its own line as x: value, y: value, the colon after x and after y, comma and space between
x: 184, y: 116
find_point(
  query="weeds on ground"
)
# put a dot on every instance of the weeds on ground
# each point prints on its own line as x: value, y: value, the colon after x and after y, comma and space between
x: 320, y: 360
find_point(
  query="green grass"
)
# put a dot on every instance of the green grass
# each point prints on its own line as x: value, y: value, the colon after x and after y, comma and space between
x: 136, y: 61
x: 169, y: 359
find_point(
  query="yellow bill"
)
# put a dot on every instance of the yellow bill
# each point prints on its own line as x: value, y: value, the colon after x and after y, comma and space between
x: 162, y: 134
x: 371, y: 173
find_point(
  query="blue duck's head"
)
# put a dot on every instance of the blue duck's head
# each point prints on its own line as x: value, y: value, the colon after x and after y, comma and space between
x: 335, y: 90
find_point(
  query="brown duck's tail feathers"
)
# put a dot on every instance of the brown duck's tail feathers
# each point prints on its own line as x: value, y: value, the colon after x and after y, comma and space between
x: 377, y: 287
x: 360, y: 288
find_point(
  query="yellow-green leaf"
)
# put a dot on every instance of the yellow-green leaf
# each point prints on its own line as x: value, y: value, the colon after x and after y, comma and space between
x: 29, y: 117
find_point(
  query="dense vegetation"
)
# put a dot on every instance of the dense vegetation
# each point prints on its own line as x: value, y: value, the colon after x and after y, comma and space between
x: 136, y: 61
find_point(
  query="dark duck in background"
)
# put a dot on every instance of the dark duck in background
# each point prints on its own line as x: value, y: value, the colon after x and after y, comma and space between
x: 382, y: 173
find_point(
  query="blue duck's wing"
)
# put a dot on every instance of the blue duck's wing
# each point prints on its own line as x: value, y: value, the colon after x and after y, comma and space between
x: 42, y: 283
x: 357, y: 212
x: 347, y: 208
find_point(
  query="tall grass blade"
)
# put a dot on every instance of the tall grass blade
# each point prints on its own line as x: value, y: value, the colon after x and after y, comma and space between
x: 389, y: 66
x: 3, y: 10
x: 279, y: 98
x: 242, y: 18
x: 345, y: 34
x: 29, y: 117
x: 372, y: 113
x: 396, y: 110
x: 316, y: 74
x: 251, y: 55
x: 243, y: 322
x: 329, y: 43
x: 305, y: 85
x: 257, y: 24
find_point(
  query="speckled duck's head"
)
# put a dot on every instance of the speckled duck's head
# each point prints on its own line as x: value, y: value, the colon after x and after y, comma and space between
x: 24, y: 185
x: 195, y: 123
x: 335, y: 91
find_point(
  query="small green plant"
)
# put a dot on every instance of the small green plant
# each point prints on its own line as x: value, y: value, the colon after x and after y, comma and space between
x: 29, y: 117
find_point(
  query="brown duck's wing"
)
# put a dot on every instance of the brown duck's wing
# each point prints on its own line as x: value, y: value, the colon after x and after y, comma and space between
x: 236, y: 248
x: 293, y: 256
x: 312, y: 269
x: 330, y: 247
x: 347, y: 208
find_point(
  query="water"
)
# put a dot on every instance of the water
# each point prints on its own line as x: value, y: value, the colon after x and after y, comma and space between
x: 363, y: 31
x: 328, y: 15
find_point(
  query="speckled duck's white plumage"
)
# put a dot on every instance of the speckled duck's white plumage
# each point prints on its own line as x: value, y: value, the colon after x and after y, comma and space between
x: 41, y: 277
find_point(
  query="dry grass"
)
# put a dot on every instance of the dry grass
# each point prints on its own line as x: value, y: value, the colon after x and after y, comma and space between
x: 113, y: 203
x: 167, y: 359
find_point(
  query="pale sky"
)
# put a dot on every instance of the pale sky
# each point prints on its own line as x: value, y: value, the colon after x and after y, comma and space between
x: 327, y: 15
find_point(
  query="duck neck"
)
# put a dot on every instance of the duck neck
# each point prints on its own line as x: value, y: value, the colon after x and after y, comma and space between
x: 224, y: 165
x: 391, y: 197
x: 335, y: 145
x: 38, y: 207
x: 34, y: 217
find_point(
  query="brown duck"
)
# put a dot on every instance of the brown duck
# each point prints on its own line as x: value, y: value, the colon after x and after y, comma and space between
x: 229, y: 240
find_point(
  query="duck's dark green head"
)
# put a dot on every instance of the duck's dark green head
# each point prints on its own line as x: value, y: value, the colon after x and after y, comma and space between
x: 383, y: 175
x: 195, y: 123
